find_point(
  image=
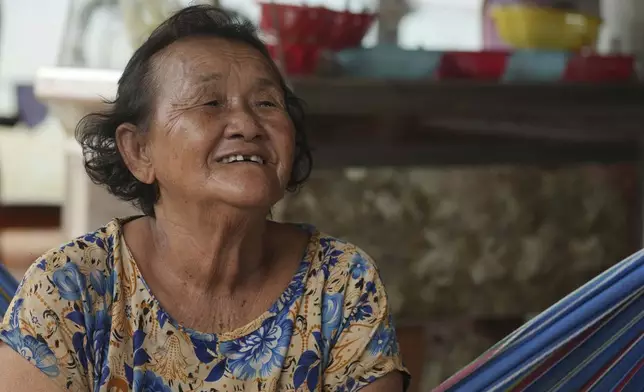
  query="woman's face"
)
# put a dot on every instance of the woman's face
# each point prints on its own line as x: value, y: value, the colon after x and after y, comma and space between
x: 220, y: 130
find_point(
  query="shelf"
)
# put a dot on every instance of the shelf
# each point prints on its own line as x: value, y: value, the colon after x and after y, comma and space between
x: 376, y: 122
x: 372, y: 123
x: 580, y: 112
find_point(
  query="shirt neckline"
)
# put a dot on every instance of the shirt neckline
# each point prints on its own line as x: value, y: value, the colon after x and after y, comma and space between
x: 294, y: 289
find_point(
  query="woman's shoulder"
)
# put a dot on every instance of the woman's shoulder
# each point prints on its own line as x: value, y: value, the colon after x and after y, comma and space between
x: 353, y: 311
x: 332, y: 247
x: 342, y: 260
x: 87, y: 260
x: 93, y: 249
x: 64, y: 297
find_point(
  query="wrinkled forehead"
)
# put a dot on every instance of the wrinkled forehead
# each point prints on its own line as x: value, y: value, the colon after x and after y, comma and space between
x: 210, y: 60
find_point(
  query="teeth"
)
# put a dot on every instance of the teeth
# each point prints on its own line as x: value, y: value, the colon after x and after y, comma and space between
x: 243, y: 158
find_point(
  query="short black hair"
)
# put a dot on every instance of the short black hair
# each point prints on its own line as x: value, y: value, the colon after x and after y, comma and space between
x: 96, y: 132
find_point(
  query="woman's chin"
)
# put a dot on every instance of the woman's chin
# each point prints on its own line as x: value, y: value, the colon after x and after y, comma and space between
x: 248, y: 190
x: 252, y: 197
x: 253, y: 203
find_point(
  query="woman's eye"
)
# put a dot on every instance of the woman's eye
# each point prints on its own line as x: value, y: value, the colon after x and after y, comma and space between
x: 213, y: 103
x: 267, y: 104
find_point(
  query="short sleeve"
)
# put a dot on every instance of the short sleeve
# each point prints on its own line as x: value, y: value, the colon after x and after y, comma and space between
x: 45, y: 322
x: 363, y: 345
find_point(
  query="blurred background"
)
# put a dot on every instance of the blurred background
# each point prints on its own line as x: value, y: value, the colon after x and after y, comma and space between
x: 486, y: 153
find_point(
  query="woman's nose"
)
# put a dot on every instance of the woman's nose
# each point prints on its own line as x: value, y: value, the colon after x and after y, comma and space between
x: 243, y: 124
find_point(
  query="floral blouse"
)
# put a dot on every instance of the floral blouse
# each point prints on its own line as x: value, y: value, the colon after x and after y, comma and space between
x: 85, y: 317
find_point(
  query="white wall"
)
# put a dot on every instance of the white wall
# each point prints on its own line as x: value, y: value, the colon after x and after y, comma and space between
x: 30, y: 36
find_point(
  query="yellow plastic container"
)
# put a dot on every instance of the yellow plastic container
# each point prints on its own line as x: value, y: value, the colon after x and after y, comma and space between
x: 531, y: 27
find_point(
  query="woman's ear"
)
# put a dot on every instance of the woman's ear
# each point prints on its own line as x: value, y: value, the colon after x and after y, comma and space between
x: 133, y: 146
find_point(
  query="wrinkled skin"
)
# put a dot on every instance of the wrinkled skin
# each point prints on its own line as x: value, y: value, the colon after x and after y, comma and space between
x: 216, y: 97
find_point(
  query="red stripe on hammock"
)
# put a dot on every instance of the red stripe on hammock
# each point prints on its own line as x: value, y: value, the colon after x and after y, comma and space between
x: 629, y: 376
x: 554, y: 358
x: 606, y: 368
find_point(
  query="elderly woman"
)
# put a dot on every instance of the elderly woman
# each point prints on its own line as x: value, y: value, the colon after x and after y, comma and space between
x: 202, y: 292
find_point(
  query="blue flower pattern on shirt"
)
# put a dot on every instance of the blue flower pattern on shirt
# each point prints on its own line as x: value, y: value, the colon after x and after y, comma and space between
x: 33, y: 350
x: 331, y: 314
x: 147, y: 381
x: 69, y: 281
x: 260, y: 353
x: 84, y: 316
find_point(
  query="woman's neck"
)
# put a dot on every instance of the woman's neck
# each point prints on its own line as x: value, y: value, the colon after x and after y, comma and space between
x: 214, y: 252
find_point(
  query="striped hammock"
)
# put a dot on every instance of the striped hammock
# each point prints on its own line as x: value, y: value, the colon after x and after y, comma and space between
x: 8, y: 286
x: 592, y: 340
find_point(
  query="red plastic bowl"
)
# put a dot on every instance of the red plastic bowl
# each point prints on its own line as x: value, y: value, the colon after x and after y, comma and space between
x: 292, y: 23
x: 346, y: 29
x: 298, y: 58
x: 595, y: 68
x: 303, y: 32
x: 358, y: 26
x: 472, y: 65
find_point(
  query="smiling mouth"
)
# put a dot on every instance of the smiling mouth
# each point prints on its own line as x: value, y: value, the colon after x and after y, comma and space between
x: 242, y: 158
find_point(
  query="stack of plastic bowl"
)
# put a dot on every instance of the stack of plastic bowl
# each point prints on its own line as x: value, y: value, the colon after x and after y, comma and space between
x: 535, y: 27
x: 296, y: 34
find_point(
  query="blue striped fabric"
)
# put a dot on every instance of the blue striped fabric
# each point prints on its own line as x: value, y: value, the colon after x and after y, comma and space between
x: 8, y: 286
x: 592, y: 340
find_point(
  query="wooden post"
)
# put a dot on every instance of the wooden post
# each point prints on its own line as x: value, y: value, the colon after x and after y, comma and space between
x: 390, y: 14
